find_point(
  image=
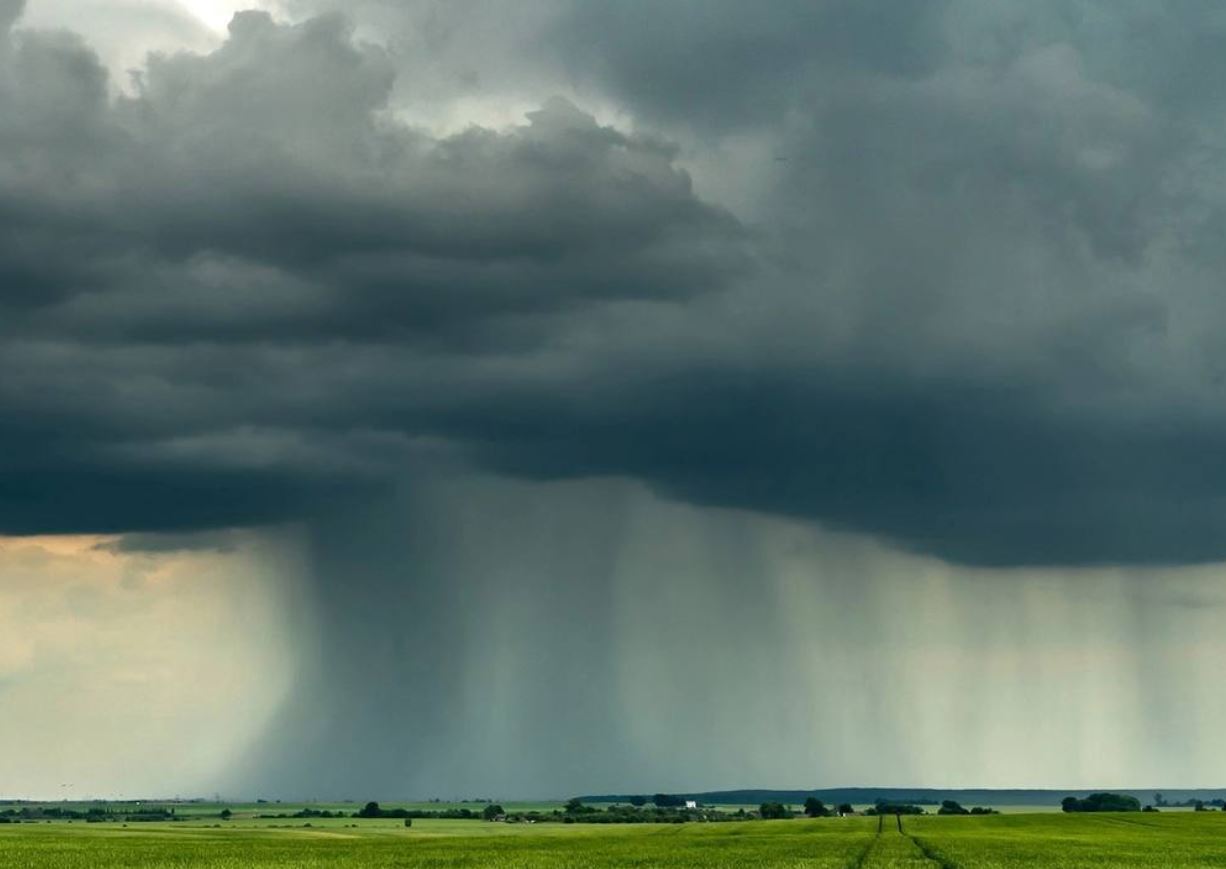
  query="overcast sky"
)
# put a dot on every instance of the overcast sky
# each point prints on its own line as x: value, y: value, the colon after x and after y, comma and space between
x: 560, y: 374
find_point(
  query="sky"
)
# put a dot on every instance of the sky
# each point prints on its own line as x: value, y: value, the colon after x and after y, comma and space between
x: 415, y: 399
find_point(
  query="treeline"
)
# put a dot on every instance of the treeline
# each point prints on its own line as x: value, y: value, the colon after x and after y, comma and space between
x: 948, y: 807
x: 863, y: 796
x: 577, y: 812
x: 93, y: 815
x: 953, y: 807
x: 1103, y: 802
x: 1106, y: 802
x: 666, y: 809
x: 1160, y: 802
x: 887, y: 808
x: 756, y: 796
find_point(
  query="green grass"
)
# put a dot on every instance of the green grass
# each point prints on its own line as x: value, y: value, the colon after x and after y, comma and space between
x: 438, y: 844
x: 1168, y: 840
x: 1174, y: 839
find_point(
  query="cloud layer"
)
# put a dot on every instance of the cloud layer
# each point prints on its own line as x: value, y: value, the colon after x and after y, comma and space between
x: 947, y: 274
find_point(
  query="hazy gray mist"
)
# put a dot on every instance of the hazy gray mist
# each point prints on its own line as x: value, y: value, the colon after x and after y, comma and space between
x: 482, y: 637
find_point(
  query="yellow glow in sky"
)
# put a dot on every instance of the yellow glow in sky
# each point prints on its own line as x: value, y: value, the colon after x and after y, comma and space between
x: 137, y: 672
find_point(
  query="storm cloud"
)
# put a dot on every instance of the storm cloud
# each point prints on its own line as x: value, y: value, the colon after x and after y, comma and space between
x: 967, y: 296
x: 536, y: 380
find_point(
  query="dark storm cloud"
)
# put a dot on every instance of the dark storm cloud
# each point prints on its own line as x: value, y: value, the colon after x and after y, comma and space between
x: 185, y: 268
x: 271, y: 162
x: 975, y: 310
x: 969, y: 472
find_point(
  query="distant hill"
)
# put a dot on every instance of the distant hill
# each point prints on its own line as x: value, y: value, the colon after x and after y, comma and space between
x: 919, y: 796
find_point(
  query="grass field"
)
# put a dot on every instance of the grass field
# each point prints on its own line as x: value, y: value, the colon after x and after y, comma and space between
x: 1171, y: 841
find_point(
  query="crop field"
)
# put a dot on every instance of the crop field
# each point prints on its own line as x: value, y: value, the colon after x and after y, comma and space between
x: 1170, y: 841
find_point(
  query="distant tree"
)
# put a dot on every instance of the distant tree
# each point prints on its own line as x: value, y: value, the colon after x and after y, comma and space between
x: 884, y: 807
x: 666, y: 801
x: 1149, y: 809
x: 492, y: 811
x: 846, y: 809
x: 225, y: 814
x: 1101, y: 802
x: 370, y: 810
x: 774, y: 811
x: 638, y: 801
x: 951, y: 807
x: 408, y: 822
x: 574, y: 804
x: 1198, y: 806
x: 815, y: 808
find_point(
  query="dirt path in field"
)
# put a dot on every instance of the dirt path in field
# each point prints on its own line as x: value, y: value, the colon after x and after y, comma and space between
x: 893, y: 846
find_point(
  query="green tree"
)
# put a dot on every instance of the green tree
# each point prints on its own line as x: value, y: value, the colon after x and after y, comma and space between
x: 774, y: 811
x: 1102, y: 802
x: 492, y: 811
x: 815, y: 808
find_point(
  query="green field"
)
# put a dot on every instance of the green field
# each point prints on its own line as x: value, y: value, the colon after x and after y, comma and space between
x: 1050, y: 840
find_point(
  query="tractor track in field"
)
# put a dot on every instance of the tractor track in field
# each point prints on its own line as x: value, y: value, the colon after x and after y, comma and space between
x: 858, y: 861
x: 884, y: 840
x: 1126, y: 821
x: 930, y: 854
